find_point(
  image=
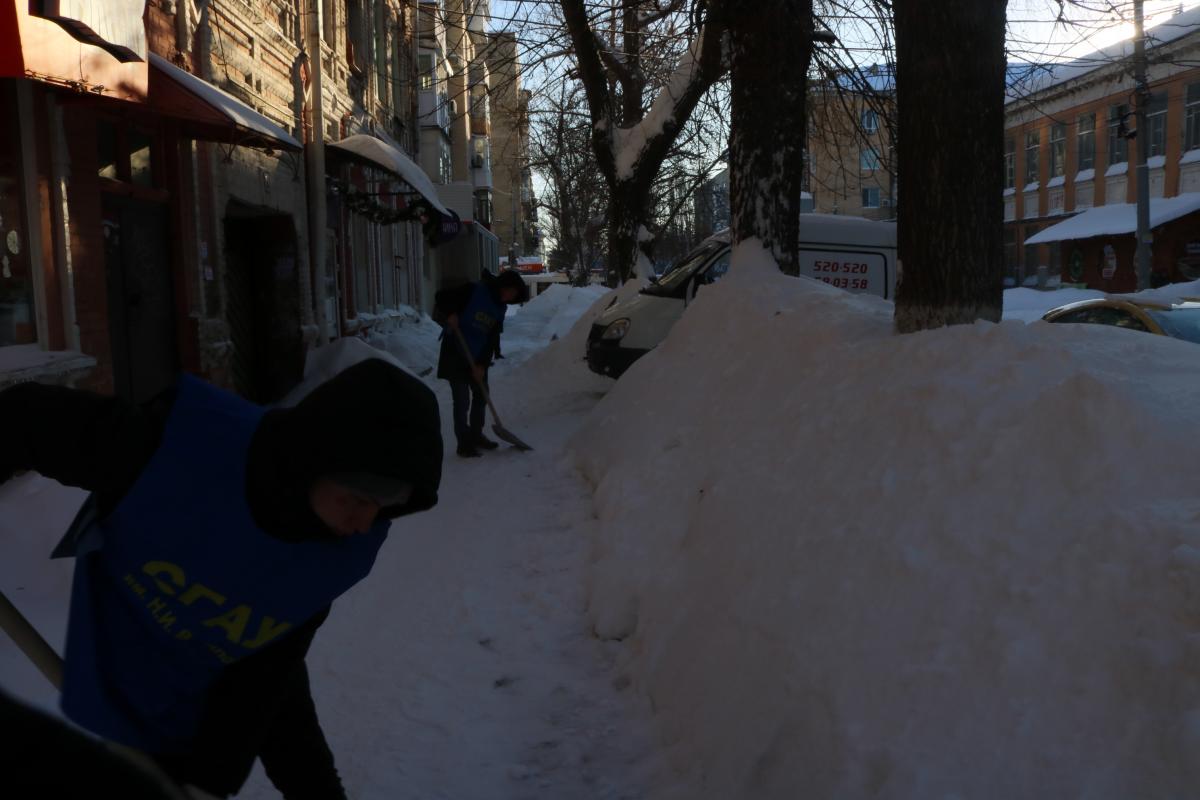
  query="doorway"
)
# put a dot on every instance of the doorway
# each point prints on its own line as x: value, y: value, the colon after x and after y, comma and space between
x: 263, y: 302
x: 141, y: 299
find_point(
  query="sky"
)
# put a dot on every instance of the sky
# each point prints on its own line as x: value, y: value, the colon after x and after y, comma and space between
x: 1035, y: 35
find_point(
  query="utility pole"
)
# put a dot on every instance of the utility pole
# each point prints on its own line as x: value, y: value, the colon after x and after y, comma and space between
x: 1142, y: 139
x: 314, y: 170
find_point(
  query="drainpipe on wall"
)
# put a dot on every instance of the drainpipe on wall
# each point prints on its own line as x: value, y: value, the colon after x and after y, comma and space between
x: 61, y: 215
x: 314, y: 172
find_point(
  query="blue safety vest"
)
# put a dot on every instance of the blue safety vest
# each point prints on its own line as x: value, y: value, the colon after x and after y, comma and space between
x: 477, y: 321
x: 178, y: 581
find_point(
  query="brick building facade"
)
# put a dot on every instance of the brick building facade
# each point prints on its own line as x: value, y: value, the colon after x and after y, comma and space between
x: 183, y: 206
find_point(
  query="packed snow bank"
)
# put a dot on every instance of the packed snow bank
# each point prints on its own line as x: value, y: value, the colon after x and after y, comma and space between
x: 413, y: 343
x: 35, y: 512
x: 547, y: 317
x: 960, y: 563
x: 556, y: 377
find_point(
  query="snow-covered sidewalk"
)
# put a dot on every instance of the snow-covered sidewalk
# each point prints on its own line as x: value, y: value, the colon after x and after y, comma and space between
x: 464, y: 666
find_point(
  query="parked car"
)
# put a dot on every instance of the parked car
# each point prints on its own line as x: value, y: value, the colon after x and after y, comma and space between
x: 852, y: 253
x: 1180, y: 320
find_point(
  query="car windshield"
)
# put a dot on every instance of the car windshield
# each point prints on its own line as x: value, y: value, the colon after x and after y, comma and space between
x: 1182, y: 323
x: 679, y: 273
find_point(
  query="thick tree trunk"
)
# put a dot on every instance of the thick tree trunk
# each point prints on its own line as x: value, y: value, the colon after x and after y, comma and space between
x: 770, y: 50
x: 627, y: 213
x: 950, y: 99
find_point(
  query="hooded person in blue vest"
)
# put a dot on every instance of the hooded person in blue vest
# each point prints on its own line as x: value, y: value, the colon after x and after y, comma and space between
x: 215, y: 539
x: 477, y: 311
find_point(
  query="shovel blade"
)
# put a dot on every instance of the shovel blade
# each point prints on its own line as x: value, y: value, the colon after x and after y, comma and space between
x: 508, y: 436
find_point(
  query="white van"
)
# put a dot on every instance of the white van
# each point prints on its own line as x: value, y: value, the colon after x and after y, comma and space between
x: 852, y: 253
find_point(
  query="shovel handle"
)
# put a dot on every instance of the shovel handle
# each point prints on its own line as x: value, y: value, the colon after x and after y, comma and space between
x: 37, y: 649
x: 482, y: 386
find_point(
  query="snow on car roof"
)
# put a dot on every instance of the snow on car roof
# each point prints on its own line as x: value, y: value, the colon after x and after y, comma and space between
x: 836, y: 229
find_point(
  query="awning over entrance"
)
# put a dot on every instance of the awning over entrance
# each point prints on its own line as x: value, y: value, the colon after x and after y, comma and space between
x: 379, y: 153
x: 211, y: 114
x: 1116, y: 220
x: 91, y: 47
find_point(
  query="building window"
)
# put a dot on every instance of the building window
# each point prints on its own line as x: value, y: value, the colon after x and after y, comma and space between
x: 1010, y: 163
x: 1031, y: 255
x: 1191, y: 118
x: 1011, y: 265
x: 445, y: 165
x: 1118, y: 145
x: 1086, y: 142
x: 870, y: 121
x: 868, y: 160
x: 1032, y: 143
x: 870, y: 197
x: 328, y: 23
x: 356, y: 50
x: 18, y: 324
x: 425, y: 67
x: 1156, y: 124
x: 1058, y: 150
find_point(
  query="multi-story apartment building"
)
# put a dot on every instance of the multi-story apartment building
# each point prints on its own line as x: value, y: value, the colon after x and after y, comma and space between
x: 850, y: 159
x: 220, y: 191
x: 515, y: 220
x: 1070, y: 164
x: 455, y: 119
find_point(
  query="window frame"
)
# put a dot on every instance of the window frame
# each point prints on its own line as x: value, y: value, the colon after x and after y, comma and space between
x: 1010, y: 162
x: 1116, y: 142
x: 1191, y: 117
x: 1088, y: 135
x: 1058, y: 150
x: 1156, y: 124
x: 1033, y: 145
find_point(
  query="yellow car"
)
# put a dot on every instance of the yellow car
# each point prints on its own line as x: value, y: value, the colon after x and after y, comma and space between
x: 1180, y: 320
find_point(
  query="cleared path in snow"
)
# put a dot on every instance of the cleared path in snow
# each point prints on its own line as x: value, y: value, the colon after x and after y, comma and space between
x: 464, y: 667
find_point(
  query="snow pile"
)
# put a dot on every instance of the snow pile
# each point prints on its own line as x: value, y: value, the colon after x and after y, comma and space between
x: 961, y: 563
x: 547, y: 317
x: 35, y: 512
x: 556, y: 377
x: 325, y: 363
x: 414, y: 343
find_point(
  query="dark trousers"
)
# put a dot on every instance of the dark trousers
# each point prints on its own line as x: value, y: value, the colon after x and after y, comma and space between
x: 468, y: 411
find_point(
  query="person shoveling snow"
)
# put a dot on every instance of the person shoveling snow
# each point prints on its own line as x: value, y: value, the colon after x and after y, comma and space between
x: 216, y: 537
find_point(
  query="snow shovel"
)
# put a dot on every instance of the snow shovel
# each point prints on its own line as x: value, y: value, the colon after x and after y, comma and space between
x: 50, y: 664
x: 31, y: 642
x: 499, y: 428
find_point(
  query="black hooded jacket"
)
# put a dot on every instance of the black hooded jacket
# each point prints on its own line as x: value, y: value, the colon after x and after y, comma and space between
x: 452, y: 362
x: 372, y: 418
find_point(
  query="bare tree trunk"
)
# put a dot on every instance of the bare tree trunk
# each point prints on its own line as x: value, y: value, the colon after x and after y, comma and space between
x: 770, y: 50
x: 950, y: 98
x: 630, y: 186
